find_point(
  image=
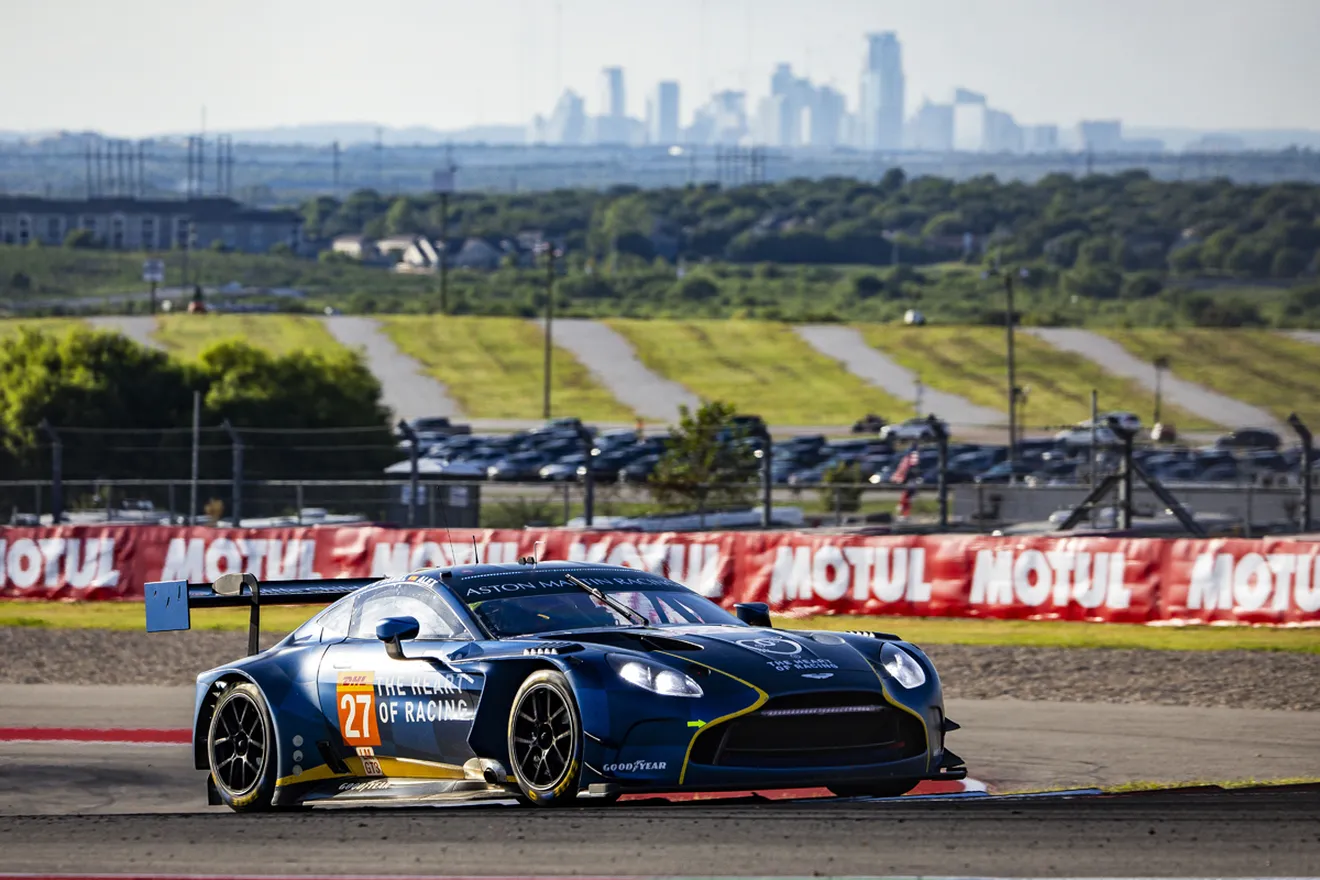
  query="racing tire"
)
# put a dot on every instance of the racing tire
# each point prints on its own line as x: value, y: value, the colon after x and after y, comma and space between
x: 241, y: 749
x: 545, y: 740
x: 891, y: 788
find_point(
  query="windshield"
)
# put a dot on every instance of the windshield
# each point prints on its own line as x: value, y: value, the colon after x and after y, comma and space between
x: 553, y: 612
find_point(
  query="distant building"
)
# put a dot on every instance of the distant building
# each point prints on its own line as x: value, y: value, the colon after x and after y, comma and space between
x: 611, y: 125
x: 568, y: 123
x: 662, y: 115
x: 882, y: 93
x: 1040, y: 138
x: 931, y: 128
x: 722, y: 121
x: 1101, y: 136
x: 148, y: 225
x: 826, y: 118
x: 979, y: 128
x: 355, y: 247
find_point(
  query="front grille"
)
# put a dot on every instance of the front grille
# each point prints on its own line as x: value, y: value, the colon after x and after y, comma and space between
x: 813, y: 730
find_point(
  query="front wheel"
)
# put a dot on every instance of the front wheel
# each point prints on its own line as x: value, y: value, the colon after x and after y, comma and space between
x: 890, y: 788
x: 240, y: 749
x: 545, y: 739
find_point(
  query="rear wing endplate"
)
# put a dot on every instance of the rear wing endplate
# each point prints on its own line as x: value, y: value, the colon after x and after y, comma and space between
x: 169, y: 604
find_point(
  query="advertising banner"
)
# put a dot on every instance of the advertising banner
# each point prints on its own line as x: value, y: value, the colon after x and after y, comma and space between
x: 1124, y: 580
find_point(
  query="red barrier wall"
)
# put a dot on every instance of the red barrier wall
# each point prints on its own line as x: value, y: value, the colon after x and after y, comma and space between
x: 1103, y: 579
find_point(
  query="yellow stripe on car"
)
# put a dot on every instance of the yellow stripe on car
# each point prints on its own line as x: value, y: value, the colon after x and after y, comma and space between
x: 761, y: 697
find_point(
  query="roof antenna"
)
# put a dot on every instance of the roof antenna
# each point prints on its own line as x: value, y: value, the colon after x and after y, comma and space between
x: 536, y: 553
x: 476, y: 554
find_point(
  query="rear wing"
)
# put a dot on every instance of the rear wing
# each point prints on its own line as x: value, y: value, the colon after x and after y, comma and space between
x: 169, y: 603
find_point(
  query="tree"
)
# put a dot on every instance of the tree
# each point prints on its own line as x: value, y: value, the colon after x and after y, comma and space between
x: 708, y: 464
x: 80, y: 238
x: 400, y: 219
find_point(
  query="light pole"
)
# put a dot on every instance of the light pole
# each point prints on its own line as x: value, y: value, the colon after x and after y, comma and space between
x: 551, y: 253
x: 1010, y: 318
x: 1161, y: 364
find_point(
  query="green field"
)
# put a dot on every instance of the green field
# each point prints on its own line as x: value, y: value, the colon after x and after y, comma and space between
x: 972, y: 363
x: 11, y: 326
x: 758, y: 367
x: 187, y: 335
x: 494, y: 368
x: 1270, y: 370
x: 920, y: 630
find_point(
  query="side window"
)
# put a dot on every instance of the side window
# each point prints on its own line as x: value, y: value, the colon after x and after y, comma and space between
x: 434, y: 618
x: 334, y: 620
x: 331, y: 625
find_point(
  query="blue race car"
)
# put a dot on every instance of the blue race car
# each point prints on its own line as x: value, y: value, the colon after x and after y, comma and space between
x: 547, y: 683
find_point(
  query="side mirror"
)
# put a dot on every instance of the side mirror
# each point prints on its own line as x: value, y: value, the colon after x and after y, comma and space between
x: 753, y: 613
x: 395, y: 630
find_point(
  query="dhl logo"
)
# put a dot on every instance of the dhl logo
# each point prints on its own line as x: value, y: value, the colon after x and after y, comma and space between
x: 354, y: 680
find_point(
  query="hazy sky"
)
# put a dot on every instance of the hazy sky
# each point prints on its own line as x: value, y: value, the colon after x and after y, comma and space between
x: 139, y: 67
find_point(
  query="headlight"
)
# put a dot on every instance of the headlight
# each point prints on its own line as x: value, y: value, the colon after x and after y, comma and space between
x: 655, y: 678
x: 901, y: 667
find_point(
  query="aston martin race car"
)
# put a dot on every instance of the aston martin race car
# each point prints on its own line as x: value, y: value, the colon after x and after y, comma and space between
x: 547, y: 683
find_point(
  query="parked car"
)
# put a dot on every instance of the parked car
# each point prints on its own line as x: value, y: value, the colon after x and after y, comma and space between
x: 1249, y: 438
x: 911, y: 431
x: 1081, y: 436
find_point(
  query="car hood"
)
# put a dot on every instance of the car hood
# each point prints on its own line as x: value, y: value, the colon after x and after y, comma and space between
x: 776, y: 661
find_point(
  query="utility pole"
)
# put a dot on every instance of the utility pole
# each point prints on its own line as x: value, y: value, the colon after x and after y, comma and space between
x: 196, y: 449
x: 334, y: 158
x: 1009, y: 320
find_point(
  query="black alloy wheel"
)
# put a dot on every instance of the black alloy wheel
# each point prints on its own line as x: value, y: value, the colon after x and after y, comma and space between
x: 241, y: 749
x: 545, y: 739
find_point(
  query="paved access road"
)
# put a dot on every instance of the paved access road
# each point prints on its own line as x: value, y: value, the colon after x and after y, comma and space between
x: 846, y: 345
x: 139, y: 328
x: 610, y: 359
x: 1209, y: 405
x: 406, y: 387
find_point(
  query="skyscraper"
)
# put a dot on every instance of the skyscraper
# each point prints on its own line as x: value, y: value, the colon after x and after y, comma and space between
x: 662, y: 115
x: 882, y: 96
x: 611, y: 125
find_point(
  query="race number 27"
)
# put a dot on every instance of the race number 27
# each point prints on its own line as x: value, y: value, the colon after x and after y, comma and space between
x: 355, y: 697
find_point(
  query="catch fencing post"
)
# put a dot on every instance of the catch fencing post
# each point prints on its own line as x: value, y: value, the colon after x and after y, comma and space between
x: 588, y: 476
x: 942, y: 486
x: 236, y: 480
x: 1307, y: 463
x: 56, y: 473
x: 767, y: 479
x: 406, y: 430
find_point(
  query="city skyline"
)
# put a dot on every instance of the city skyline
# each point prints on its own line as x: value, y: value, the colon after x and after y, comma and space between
x: 448, y: 64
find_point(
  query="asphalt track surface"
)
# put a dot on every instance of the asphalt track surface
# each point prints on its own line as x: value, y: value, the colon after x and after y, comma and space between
x: 846, y: 345
x: 140, y: 808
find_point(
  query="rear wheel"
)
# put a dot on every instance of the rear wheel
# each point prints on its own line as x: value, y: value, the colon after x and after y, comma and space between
x: 545, y: 739
x: 890, y: 788
x: 240, y: 749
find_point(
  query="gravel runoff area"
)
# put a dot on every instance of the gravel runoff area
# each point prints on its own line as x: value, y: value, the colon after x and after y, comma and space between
x: 1240, y: 679
x: 1207, y: 404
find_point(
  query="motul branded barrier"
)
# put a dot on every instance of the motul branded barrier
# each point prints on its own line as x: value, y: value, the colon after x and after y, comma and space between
x: 1102, y: 579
